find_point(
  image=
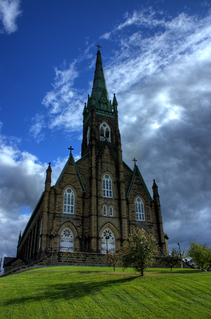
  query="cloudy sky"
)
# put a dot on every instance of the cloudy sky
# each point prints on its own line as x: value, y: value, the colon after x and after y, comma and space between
x: 157, y: 59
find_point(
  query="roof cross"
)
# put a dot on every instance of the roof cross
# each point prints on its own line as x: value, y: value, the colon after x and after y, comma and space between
x: 134, y: 160
x: 97, y: 45
x: 71, y: 149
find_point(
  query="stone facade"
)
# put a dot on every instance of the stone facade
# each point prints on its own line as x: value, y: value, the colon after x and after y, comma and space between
x: 97, y: 200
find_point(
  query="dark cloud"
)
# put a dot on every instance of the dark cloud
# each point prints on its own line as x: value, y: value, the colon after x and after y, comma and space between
x: 177, y: 152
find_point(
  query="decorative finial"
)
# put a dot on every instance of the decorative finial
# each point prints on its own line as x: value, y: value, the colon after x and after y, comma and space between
x: 97, y: 45
x: 71, y: 149
x: 134, y: 160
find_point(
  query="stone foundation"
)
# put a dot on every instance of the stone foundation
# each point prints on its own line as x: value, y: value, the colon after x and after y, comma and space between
x: 73, y: 259
x: 59, y: 259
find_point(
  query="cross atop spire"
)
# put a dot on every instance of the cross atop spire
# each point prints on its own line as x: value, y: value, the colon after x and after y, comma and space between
x: 71, y: 149
x: 97, y: 45
x: 134, y: 160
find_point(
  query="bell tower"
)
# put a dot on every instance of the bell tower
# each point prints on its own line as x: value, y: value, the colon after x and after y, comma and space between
x: 100, y: 115
x: 101, y: 140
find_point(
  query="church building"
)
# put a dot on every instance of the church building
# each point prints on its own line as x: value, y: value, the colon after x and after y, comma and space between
x: 97, y: 200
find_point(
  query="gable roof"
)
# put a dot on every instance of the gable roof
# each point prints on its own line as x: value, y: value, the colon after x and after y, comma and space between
x: 71, y: 159
x: 136, y: 170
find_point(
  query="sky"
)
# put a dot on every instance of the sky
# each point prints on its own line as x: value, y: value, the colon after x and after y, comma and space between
x: 157, y: 60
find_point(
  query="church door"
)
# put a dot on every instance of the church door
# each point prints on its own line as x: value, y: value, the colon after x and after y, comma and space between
x: 108, y: 241
x: 67, y: 240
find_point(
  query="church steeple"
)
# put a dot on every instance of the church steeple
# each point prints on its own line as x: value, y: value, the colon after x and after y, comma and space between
x: 99, y: 98
x: 99, y: 84
x: 100, y: 115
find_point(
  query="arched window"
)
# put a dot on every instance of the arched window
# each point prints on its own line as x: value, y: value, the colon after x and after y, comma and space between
x: 104, y: 211
x: 67, y: 240
x: 107, y: 186
x: 105, y: 132
x: 69, y: 201
x: 88, y: 135
x: 111, y: 211
x: 139, y: 209
x: 108, y: 241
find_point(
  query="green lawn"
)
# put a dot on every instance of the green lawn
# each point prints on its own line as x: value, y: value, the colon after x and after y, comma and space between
x: 90, y: 292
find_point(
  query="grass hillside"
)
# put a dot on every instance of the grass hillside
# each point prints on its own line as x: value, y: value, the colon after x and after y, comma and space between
x: 88, y: 292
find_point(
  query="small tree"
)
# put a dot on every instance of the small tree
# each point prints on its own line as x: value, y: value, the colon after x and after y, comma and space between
x: 113, y: 259
x: 139, y: 251
x: 173, y: 259
x: 200, y: 254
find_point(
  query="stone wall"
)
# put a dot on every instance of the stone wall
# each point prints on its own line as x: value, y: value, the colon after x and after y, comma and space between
x: 73, y: 259
x: 58, y: 259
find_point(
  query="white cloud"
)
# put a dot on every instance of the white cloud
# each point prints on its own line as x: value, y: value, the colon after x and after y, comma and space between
x: 21, y: 185
x: 9, y: 12
x: 37, y: 126
x: 64, y: 102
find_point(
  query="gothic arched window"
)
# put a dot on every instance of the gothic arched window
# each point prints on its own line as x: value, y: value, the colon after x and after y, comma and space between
x: 69, y: 201
x: 104, y: 211
x: 105, y: 132
x: 139, y: 209
x: 107, y: 186
x: 111, y: 211
x: 108, y: 241
x: 67, y: 240
x: 88, y: 135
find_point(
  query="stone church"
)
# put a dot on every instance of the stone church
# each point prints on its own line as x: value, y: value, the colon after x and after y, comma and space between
x: 96, y: 200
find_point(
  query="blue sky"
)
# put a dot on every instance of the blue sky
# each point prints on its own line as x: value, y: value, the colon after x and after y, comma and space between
x: 157, y: 59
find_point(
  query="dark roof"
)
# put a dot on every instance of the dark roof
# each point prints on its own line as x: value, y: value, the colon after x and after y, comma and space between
x: 32, y: 215
x: 7, y: 260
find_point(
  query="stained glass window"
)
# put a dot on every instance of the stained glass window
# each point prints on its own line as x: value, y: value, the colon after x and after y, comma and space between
x: 111, y: 211
x: 107, y: 241
x: 104, y: 211
x: 67, y: 240
x: 107, y: 186
x: 69, y: 201
x: 139, y: 209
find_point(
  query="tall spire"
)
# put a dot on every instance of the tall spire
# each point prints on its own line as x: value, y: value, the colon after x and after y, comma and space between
x: 99, y: 100
x: 99, y: 88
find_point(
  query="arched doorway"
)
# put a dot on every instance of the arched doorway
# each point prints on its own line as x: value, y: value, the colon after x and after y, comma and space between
x: 67, y: 240
x: 107, y: 241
